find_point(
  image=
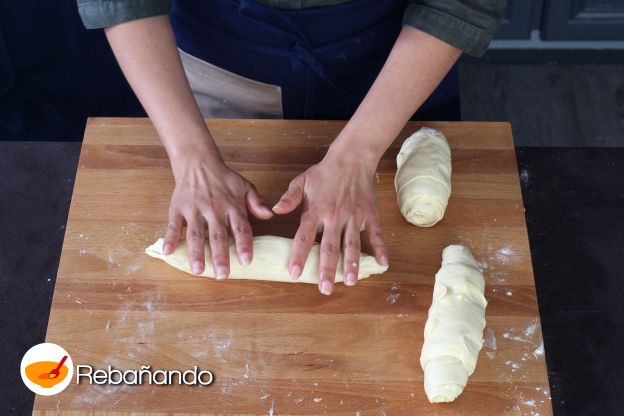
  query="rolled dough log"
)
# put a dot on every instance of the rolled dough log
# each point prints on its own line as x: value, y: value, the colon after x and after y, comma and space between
x: 270, y: 261
x: 423, y: 178
x: 454, y: 330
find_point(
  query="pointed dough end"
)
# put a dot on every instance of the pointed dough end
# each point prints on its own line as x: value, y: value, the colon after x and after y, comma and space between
x: 155, y: 250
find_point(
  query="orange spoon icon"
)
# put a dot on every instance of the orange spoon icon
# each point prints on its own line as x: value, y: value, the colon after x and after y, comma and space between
x: 54, y: 373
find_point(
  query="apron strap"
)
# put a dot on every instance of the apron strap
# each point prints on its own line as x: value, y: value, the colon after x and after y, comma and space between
x: 300, y: 50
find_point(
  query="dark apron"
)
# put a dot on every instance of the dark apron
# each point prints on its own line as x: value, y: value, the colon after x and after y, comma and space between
x: 324, y: 58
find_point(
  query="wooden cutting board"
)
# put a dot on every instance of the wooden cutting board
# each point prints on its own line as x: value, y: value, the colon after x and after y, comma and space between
x: 281, y: 348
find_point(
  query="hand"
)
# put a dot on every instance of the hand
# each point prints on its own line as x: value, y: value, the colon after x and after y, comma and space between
x: 339, y: 200
x: 210, y: 194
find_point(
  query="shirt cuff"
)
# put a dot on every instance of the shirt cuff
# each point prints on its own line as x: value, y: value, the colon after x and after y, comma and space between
x: 97, y: 14
x: 471, y: 39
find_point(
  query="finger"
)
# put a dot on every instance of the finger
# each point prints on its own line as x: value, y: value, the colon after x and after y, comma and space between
x: 255, y: 205
x: 302, y: 244
x: 243, y: 238
x: 351, y: 252
x: 219, y: 247
x: 195, y: 243
x: 373, y: 233
x: 329, y: 253
x: 291, y: 198
x: 173, y: 234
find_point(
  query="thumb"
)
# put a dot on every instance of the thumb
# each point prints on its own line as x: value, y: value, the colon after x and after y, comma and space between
x: 255, y: 205
x: 291, y: 198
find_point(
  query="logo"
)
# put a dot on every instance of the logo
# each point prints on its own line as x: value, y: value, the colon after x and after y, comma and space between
x: 47, y: 369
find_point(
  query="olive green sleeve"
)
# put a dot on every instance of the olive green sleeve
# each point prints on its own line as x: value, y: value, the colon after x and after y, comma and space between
x: 104, y: 13
x: 466, y: 24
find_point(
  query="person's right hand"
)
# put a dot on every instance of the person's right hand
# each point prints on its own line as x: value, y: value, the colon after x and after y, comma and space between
x: 210, y: 194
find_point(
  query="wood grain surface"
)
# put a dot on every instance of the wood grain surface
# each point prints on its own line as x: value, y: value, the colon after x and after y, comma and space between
x: 280, y: 348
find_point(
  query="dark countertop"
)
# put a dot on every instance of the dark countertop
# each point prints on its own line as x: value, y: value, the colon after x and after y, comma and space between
x: 574, y: 200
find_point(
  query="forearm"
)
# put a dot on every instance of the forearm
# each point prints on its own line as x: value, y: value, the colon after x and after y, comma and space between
x: 416, y: 65
x: 147, y: 54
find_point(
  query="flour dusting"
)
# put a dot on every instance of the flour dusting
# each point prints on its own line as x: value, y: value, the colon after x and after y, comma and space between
x: 393, y: 297
x: 539, y: 351
x: 490, y: 339
x: 530, y: 330
x: 272, y: 409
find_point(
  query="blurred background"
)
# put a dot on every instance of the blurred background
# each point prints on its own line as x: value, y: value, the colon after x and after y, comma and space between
x: 555, y: 71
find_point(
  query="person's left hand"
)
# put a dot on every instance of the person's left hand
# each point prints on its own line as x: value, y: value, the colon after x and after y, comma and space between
x: 339, y: 200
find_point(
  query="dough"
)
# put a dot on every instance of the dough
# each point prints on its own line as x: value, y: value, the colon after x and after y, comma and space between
x: 270, y: 261
x: 454, y: 330
x: 423, y: 178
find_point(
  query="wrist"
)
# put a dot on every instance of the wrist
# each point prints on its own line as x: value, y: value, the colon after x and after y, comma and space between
x: 193, y: 157
x: 352, y: 150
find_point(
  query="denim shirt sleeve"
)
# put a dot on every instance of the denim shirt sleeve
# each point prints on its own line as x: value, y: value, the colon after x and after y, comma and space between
x: 104, y: 13
x: 466, y: 24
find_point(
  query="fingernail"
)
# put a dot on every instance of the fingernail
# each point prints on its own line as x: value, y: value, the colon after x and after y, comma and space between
x: 351, y: 279
x: 197, y: 266
x: 275, y: 206
x: 295, y: 271
x: 245, y: 259
x: 326, y: 287
x: 383, y: 260
x: 167, y: 248
x: 222, y: 273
